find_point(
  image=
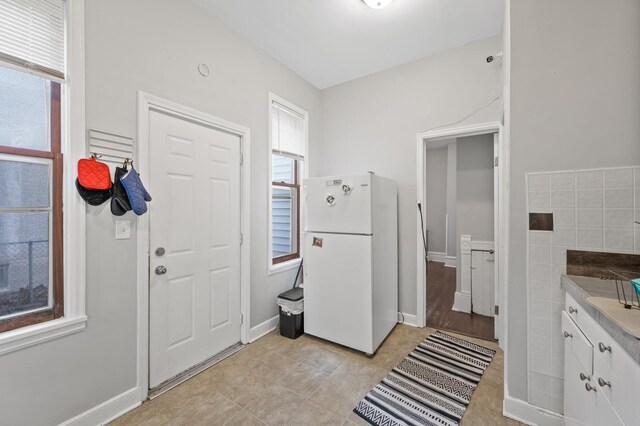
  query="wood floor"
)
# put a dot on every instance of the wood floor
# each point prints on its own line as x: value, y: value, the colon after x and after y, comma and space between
x: 441, y: 288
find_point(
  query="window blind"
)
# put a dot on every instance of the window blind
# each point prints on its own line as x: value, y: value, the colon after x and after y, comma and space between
x: 287, y: 131
x: 32, y: 35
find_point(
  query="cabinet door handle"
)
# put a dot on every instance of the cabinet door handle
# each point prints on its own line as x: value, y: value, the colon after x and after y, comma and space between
x: 602, y: 382
x: 588, y: 387
x: 603, y: 348
x: 584, y: 377
x: 567, y: 335
x: 572, y: 310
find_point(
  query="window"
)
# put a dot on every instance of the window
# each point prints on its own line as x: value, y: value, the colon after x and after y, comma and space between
x: 4, y: 277
x: 288, y: 134
x: 285, y: 209
x: 32, y: 44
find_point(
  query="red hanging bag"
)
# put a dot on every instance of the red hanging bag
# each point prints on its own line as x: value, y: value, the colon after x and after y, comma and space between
x: 92, y: 174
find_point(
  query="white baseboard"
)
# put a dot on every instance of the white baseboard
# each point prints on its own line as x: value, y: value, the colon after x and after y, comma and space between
x: 526, y: 413
x: 436, y: 256
x: 450, y: 262
x: 409, y: 319
x: 462, y: 302
x: 109, y: 410
x: 263, y: 328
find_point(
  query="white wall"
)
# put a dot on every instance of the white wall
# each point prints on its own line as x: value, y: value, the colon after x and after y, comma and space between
x: 154, y: 46
x: 452, y: 188
x: 435, y: 208
x: 474, y: 194
x: 371, y: 124
x: 575, y: 103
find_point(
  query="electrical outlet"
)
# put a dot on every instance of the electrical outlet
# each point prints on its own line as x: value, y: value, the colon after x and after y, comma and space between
x: 123, y: 229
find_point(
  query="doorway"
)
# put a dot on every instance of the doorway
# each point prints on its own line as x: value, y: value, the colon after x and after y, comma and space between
x: 192, y: 245
x: 458, y: 216
x: 466, y: 255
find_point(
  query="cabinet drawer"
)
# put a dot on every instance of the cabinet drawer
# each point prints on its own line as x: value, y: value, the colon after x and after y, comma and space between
x: 611, y: 363
x: 574, y: 310
x: 618, y: 379
x: 577, y: 343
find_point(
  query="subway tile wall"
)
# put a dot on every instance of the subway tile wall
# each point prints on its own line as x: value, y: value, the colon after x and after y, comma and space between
x: 592, y: 210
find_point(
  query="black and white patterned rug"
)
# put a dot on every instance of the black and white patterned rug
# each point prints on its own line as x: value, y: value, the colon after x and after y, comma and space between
x: 431, y: 386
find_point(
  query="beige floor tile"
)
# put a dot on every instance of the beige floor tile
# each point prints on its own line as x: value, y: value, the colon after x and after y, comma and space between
x: 243, y: 418
x: 244, y: 389
x: 324, y: 360
x: 360, y: 371
x: 313, y: 414
x: 300, y: 350
x: 304, y: 379
x: 145, y: 416
x: 213, y: 410
x: 276, y: 405
x: 340, y: 394
x: 273, y: 366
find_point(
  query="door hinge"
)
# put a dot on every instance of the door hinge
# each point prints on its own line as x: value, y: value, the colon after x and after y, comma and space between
x: 241, y: 238
x: 241, y: 159
x: 496, y: 310
x: 495, y: 162
x: 241, y: 318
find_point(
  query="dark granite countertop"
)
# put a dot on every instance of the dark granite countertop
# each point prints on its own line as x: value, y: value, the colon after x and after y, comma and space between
x: 582, y: 287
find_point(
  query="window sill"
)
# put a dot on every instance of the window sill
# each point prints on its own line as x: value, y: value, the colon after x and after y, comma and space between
x: 284, y: 266
x: 24, y: 337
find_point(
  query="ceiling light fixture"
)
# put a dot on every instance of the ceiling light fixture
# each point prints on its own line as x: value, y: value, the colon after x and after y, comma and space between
x: 377, y: 4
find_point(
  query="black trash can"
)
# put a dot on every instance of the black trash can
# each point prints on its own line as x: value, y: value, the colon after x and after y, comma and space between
x: 291, y: 307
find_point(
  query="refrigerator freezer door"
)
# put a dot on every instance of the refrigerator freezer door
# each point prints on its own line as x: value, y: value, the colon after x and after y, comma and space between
x: 337, y: 289
x: 340, y: 204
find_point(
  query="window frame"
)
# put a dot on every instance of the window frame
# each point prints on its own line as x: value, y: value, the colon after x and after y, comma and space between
x: 56, y: 255
x: 295, y: 185
x: 302, y: 173
x: 73, y: 146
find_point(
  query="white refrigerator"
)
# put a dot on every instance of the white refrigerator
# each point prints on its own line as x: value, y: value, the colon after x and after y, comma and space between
x: 351, y: 259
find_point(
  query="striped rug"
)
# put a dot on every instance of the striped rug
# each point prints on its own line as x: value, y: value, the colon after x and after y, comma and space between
x: 431, y: 386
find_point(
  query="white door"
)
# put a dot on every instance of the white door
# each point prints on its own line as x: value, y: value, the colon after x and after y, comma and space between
x: 482, y: 283
x: 337, y: 289
x: 194, y: 310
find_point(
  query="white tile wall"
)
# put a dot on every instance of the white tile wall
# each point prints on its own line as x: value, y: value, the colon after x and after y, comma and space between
x: 592, y: 210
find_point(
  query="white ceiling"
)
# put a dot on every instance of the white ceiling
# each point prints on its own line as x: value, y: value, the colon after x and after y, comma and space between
x: 329, y: 42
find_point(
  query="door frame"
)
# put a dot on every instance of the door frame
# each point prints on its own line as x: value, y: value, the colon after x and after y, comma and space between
x: 501, y: 214
x: 146, y: 104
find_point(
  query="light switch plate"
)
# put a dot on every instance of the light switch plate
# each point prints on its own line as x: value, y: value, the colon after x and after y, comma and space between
x: 123, y: 229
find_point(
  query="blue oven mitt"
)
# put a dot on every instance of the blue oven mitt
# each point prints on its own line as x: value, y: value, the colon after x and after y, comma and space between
x: 136, y: 193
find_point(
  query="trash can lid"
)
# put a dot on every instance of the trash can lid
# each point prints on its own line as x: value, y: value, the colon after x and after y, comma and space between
x: 294, y: 294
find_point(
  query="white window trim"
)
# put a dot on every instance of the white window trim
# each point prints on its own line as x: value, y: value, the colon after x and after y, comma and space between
x: 294, y: 263
x: 73, y: 147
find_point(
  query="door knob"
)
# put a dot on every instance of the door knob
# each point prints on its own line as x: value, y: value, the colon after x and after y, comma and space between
x: 567, y: 334
x: 584, y: 377
x: 160, y: 251
x: 602, y: 382
x: 572, y: 310
x: 588, y: 387
x: 160, y: 270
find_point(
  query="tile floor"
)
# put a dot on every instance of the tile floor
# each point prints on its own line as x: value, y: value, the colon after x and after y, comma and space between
x: 306, y: 381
